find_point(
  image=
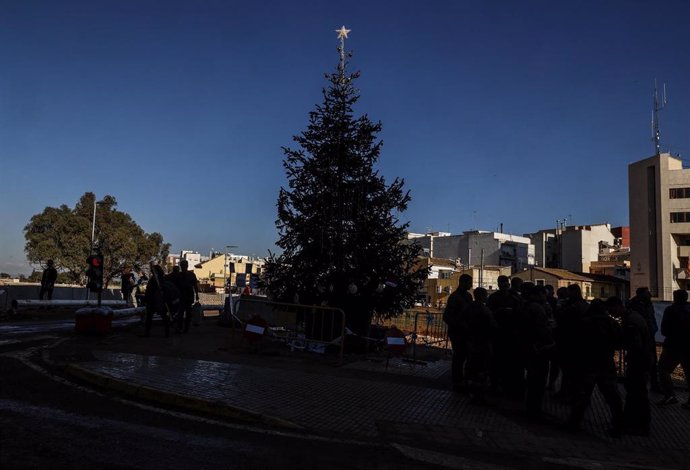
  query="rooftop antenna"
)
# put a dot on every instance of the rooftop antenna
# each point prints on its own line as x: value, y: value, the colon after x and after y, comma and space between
x: 658, y: 106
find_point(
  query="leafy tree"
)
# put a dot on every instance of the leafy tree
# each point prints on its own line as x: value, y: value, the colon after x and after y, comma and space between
x: 64, y: 235
x: 338, y: 219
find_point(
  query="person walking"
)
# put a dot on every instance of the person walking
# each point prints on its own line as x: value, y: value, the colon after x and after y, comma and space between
x: 597, y: 340
x: 188, y: 285
x: 162, y: 297
x: 48, y: 281
x: 638, y: 359
x: 675, y: 326
x: 454, y: 316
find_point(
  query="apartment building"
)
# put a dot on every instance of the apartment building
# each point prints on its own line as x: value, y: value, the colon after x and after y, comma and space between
x: 574, y: 247
x: 478, y: 247
x: 235, y: 271
x: 659, y: 205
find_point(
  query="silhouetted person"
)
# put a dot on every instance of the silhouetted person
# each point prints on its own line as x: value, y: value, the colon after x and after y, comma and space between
x: 127, y: 284
x: 481, y: 328
x: 458, y: 303
x: 598, y: 337
x: 162, y: 297
x: 48, y: 281
x: 569, y: 320
x: 188, y: 286
x: 515, y: 285
x: 554, y: 368
x: 642, y: 304
x: 507, y: 368
x: 675, y: 326
x: 140, y: 290
x: 537, y: 345
x: 638, y: 360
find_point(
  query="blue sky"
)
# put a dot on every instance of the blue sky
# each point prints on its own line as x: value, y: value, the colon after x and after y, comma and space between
x: 494, y: 112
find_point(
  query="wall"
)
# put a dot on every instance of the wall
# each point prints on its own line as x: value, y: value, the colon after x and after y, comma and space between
x: 61, y: 292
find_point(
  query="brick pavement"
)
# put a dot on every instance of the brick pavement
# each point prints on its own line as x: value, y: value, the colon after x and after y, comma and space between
x: 376, y: 407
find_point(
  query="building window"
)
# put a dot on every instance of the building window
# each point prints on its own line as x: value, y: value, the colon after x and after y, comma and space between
x: 679, y: 193
x: 680, y: 217
x: 540, y: 282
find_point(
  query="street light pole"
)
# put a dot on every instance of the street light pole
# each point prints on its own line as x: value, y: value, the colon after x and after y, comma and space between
x: 226, y: 316
x: 93, y: 223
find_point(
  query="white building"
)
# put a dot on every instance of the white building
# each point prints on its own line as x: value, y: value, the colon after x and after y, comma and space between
x: 477, y: 247
x: 573, y: 248
x: 192, y: 257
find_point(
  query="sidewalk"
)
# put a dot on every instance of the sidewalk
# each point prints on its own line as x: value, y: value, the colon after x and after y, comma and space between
x: 410, y: 405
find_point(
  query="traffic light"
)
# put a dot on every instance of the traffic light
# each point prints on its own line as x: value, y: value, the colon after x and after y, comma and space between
x: 94, y: 271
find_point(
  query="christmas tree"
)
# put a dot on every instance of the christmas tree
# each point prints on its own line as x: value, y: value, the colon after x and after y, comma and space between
x: 343, y: 244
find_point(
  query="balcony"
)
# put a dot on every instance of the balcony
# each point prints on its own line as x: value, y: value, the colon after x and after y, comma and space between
x: 681, y: 274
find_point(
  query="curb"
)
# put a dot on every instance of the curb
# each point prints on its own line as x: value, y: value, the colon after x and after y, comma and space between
x: 221, y: 410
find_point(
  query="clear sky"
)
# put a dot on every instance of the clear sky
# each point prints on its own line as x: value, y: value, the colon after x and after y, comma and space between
x: 494, y: 112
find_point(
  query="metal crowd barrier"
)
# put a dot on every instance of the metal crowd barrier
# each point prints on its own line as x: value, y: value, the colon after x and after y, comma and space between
x: 303, y: 327
x: 421, y: 327
x: 424, y: 327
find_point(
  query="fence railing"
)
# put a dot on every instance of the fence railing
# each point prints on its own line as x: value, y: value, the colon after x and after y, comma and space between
x: 422, y: 327
x: 303, y: 327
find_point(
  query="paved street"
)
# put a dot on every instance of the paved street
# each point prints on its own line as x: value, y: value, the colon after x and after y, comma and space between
x: 184, y: 401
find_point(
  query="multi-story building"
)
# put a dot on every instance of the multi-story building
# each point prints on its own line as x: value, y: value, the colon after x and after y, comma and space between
x: 476, y: 248
x: 659, y: 205
x: 233, y: 271
x: 572, y: 248
x: 546, y: 247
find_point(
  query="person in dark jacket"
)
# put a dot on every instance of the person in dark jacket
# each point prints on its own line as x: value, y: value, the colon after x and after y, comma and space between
x: 163, y: 298
x: 481, y: 329
x: 642, y: 304
x: 598, y: 337
x: 537, y: 344
x: 507, y: 368
x: 48, y: 281
x: 638, y: 359
x: 454, y: 316
x: 127, y: 284
x: 569, y: 319
x: 188, y: 285
x: 675, y: 326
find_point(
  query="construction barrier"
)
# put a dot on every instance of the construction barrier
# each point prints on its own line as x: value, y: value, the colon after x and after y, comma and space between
x: 301, y: 327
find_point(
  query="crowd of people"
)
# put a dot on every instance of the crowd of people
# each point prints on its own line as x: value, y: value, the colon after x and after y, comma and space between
x: 525, y: 339
x: 172, y: 296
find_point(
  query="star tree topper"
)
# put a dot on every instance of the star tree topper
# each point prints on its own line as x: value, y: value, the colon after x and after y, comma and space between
x: 342, y: 32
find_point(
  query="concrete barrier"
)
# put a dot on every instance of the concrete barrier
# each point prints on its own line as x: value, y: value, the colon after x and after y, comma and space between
x: 26, y: 292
